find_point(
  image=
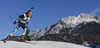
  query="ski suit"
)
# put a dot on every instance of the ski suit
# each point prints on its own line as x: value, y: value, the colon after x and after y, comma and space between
x: 22, y: 21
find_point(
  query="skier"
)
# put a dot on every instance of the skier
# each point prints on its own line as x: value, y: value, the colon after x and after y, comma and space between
x: 22, y: 22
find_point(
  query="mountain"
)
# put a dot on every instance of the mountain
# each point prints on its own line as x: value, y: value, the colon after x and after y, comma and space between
x: 71, y: 24
x: 90, y: 32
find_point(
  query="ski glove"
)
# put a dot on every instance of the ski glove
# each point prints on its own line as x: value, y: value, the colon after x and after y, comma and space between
x: 14, y: 22
x: 26, y: 22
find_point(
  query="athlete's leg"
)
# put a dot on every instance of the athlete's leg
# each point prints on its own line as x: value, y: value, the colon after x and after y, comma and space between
x: 16, y: 28
x: 25, y: 29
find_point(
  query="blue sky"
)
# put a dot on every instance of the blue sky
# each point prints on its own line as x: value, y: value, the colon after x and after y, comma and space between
x: 45, y: 12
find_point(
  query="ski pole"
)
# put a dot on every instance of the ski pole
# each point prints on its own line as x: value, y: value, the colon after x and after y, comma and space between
x: 17, y: 13
x: 11, y: 18
x: 31, y: 8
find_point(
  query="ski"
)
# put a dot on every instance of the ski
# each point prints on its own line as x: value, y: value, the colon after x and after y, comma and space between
x: 26, y: 42
x: 4, y: 41
x: 29, y: 42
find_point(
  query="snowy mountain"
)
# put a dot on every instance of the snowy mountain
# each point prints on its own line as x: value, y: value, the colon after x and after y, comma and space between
x: 39, y: 44
x: 71, y: 23
x: 89, y: 32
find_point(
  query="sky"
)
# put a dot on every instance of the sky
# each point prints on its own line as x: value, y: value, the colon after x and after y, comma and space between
x: 45, y: 12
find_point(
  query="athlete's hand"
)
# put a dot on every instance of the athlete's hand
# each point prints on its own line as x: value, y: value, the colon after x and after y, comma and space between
x: 26, y: 22
x: 14, y: 22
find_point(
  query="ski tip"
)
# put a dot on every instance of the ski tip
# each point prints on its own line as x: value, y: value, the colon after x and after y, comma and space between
x: 4, y: 41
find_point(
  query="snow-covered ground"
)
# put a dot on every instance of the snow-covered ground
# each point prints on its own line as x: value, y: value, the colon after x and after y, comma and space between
x: 39, y: 44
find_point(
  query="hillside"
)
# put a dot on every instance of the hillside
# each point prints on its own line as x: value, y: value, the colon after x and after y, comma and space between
x: 39, y: 44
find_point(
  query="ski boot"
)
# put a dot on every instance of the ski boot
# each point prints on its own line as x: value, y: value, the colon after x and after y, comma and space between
x: 6, y: 39
x: 22, y: 39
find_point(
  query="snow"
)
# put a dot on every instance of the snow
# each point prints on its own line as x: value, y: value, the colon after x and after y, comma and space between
x: 39, y: 44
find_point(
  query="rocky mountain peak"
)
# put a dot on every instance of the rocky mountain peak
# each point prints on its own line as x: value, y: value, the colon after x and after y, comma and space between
x: 83, y: 17
x: 71, y: 24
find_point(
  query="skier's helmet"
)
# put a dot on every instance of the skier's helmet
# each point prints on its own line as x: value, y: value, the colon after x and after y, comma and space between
x: 29, y: 12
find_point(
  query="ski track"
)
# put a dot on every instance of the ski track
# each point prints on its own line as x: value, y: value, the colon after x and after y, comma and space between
x: 38, y: 44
